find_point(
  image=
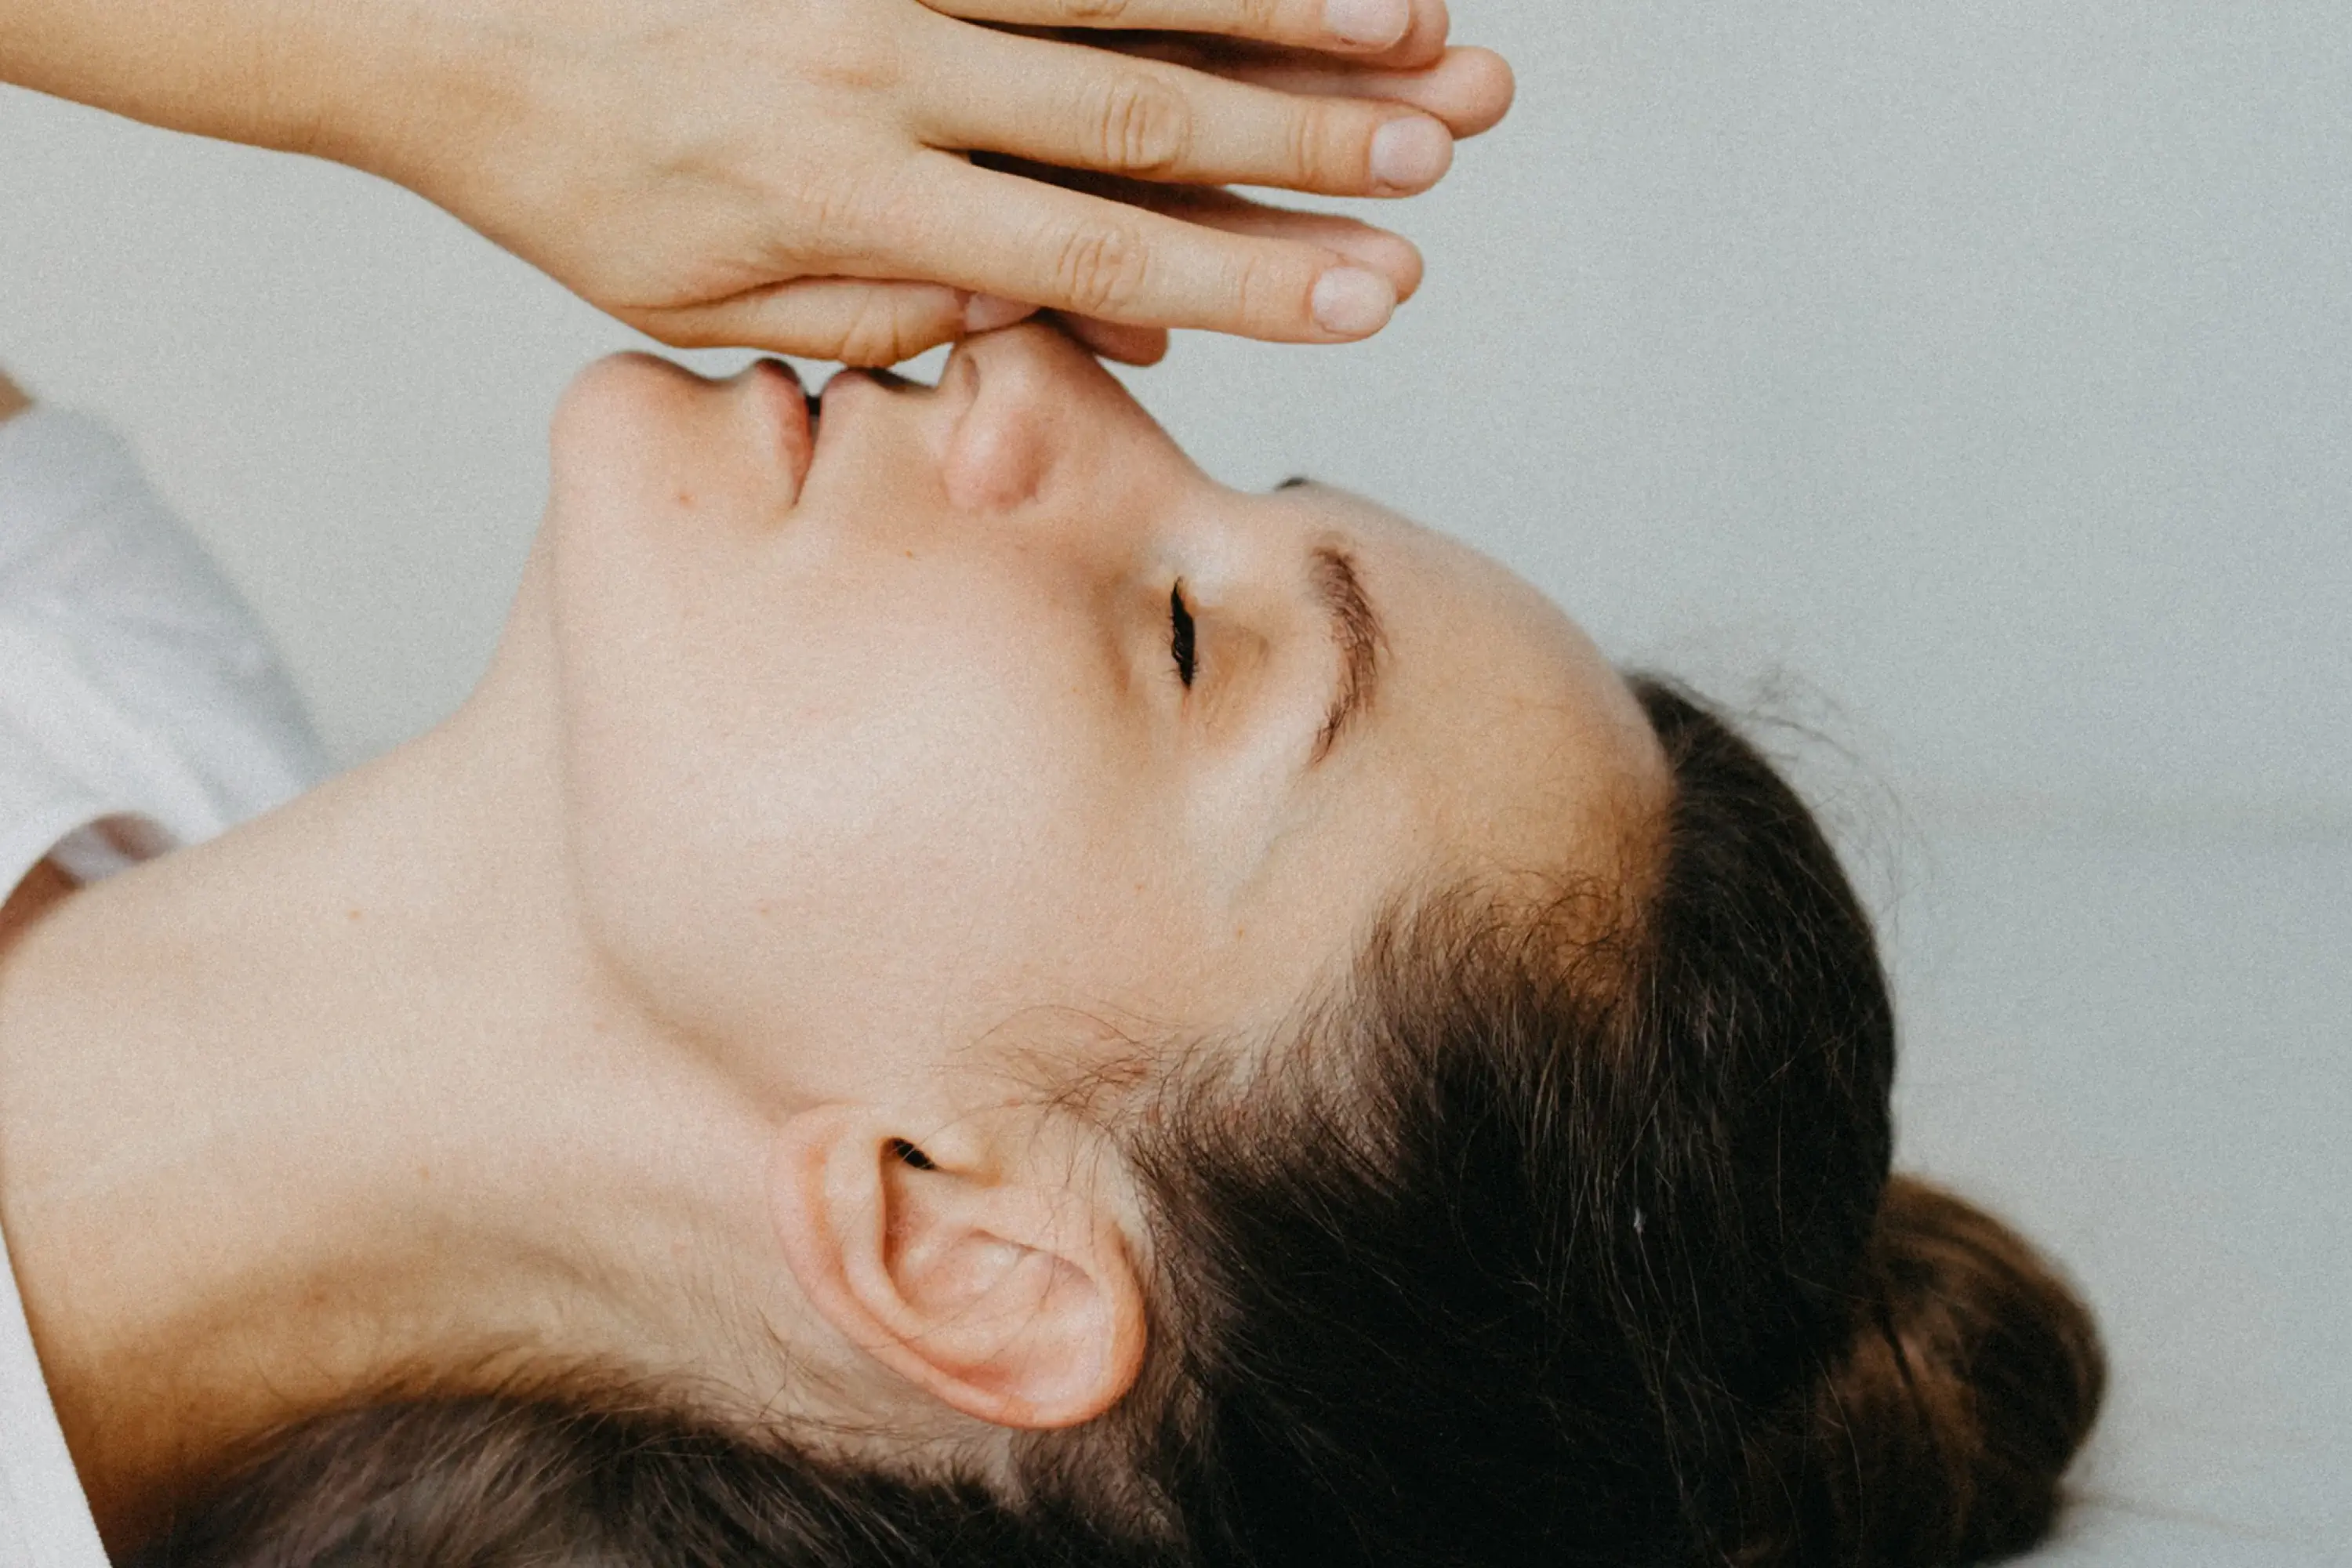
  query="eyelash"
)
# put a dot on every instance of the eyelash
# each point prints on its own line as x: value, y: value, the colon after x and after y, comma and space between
x: 1180, y: 632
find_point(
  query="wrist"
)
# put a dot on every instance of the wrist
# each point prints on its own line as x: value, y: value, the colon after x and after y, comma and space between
x: 415, y: 95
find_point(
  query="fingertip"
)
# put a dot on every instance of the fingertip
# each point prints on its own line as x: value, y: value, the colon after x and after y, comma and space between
x: 1401, y: 262
x: 1368, y: 23
x: 986, y: 312
x: 1351, y: 302
x: 1392, y: 256
x: 1424, y: 42
x: 1488, y: 87
x: 1144, y: 352
x: 1117, y: 340
x: 1409, y: 154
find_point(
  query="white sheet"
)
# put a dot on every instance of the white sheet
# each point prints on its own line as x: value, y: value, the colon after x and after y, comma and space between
x: 2134, y: 1035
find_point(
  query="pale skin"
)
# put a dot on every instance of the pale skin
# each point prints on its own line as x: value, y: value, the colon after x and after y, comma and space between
x: 821, y: 197
x: 829, y: 788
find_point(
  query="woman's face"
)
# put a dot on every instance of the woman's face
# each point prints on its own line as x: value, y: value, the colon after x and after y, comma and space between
x: 977, y: 714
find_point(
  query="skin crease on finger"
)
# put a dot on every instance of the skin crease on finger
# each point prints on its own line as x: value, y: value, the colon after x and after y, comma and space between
x: 1468, y: 88
x: 833, y: 781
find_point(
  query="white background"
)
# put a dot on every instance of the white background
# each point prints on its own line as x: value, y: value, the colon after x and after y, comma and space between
x: 1970, y: 382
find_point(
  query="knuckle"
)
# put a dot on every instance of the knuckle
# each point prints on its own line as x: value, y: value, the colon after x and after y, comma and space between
x: 1256, y: 18
x: 1095, y: 13
x: 1143, y: 125
x: 1101, y: 272
x: 850, y: 220
x: 850, y: 53
x: 829, y: 212
x: 878, y: 333
x: 1261, y: 287
x: 1324, y: 154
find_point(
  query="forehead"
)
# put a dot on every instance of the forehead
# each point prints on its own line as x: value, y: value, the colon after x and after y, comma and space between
x: 1501, y: 740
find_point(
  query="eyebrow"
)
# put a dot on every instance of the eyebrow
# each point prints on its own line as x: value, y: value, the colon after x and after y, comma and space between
x: 1356, y: 629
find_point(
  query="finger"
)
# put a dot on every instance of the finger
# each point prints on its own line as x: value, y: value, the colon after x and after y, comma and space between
x: 1413, y: 29
x: 1118, y: 341
x: 1391, y: 255
x: 986, y: 312
x: 1388, y: 254
x: 1469, y: 89
x: 1424, y: 41
x: 851, y: 320
x: 991, y: 232
x: 1092, y: 109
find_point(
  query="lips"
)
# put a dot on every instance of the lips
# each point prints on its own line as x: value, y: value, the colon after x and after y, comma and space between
x: 799, y: 414
x: 795, y: 414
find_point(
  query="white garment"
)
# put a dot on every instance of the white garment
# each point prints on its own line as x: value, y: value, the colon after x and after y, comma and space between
x: 141, y: 709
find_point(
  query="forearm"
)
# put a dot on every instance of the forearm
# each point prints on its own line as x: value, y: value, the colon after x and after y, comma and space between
x: 309, y: 76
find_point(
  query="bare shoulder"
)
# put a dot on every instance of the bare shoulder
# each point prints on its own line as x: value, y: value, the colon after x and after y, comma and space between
x: 12, y: 398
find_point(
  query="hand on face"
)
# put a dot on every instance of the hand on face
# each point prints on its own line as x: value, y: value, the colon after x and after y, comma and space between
x: 861, y: 179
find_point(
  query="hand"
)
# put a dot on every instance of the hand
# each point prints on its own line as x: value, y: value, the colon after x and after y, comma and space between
x: 1468, y: 88
x: 13, y: 400
x: 793, y: 174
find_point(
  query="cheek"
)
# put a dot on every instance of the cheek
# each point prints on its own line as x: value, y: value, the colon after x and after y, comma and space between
x: 869, y: 809
x: 934, y: 795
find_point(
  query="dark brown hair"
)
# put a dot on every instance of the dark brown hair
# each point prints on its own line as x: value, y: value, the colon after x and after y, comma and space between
x: 1562, y: 1235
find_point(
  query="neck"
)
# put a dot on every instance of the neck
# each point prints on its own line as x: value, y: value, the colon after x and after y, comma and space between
x: 337, y: 1108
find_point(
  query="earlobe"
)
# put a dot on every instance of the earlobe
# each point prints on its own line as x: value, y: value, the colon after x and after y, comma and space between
x: 1003, y: 1293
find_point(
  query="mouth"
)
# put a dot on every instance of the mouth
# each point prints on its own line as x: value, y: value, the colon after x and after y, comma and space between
x: 801, y: 416
x: 796, y: 412
x: 838, y: 385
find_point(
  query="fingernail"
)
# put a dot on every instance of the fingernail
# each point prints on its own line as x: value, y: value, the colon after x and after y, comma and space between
x: 1351, y: 302
x: 986, y: 312
x: 1411, y: 154
x: 1368, y: 22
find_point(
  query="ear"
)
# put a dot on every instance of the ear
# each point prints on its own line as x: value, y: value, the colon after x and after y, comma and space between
x: 989, y: 1282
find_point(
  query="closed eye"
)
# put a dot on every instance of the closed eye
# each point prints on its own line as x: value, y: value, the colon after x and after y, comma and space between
x: 1180, y: 634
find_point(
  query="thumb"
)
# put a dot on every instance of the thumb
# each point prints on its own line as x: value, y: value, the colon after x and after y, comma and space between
x: 853, y: 320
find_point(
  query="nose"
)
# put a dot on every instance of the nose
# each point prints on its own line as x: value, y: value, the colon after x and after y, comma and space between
x: 1028, y: 388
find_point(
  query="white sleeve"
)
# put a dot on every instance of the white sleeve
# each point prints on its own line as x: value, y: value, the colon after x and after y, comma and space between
x: 136, y: 688
x: 140, y: 708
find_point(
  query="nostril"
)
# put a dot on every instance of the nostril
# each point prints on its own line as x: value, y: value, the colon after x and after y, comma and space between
x: 997, y: 459
x: 906, y: 1154
x: 997, y: 455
